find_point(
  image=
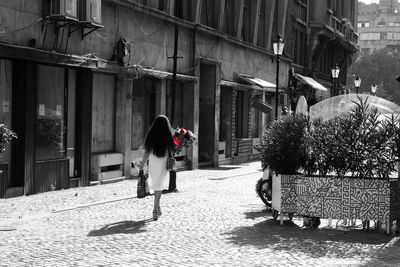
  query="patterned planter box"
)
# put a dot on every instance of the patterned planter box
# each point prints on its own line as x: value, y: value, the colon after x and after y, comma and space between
x: 337, y: 198
x: 284, y: 197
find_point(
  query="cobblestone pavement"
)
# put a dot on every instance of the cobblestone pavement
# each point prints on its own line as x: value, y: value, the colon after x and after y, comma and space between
x: 215, y: 219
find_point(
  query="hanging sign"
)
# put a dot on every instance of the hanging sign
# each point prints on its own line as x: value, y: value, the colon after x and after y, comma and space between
x: 6, y: 106
x: 41, y: 109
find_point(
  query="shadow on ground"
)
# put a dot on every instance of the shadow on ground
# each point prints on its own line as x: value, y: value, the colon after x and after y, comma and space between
x: 290, y: 237
x: 220, y: 168
x: 389, y: 255
x: 123, y: 227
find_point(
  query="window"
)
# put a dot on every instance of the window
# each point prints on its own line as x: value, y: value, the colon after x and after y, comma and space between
x: 393, y: 35
x: 330, y: 4
x: 381, y: 24
x: 185, y: 9
x: 50, y: 119
x: 299, y: 51
x: 248, y: 21
x: 261, y: 25
x: 208, y: 13
x: 365, y: 51
x: 229, y: 17
x: 6, y: 81
x: 157, y: 4
x: 363, y: 25
x: 242, y: 114
x: 370, y: 36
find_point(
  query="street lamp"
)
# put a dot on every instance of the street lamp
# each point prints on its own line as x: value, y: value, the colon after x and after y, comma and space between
x: 278, y: 50
x: 373, y: 88
x: 357, y: 83
x: 335, y: 76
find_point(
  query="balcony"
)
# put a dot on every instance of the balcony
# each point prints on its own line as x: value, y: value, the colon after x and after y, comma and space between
x: 341, y: 27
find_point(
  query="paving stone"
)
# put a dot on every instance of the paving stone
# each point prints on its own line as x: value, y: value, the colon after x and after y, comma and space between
x: 215, y: 219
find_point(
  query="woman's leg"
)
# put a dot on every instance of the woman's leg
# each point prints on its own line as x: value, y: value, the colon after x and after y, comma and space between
x: 157, y: 196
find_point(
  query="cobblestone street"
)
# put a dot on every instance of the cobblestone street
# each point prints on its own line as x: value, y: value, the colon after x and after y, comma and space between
x: 215, y: 219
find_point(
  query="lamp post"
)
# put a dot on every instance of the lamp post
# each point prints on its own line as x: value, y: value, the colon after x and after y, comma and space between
x: 357, y: 83
x: 335, y: 76
x: 373, y: 88
x: 278, y: 50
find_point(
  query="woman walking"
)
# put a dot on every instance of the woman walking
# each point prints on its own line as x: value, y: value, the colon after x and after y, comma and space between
x: 158, y: 145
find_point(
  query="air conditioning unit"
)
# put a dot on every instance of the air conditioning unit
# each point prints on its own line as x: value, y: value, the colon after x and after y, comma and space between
x: 60, y: 9
x: 89, y: 11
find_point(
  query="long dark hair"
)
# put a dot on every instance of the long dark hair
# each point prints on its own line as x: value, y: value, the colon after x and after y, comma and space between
x: 159, y: 138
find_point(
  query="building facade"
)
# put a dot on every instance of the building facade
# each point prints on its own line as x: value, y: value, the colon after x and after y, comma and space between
x: 82, y: 80
x: 379, y: 26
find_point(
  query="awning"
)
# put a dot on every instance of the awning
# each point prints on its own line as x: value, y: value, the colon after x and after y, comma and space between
x: 310, y: 81
x: 261, y: 106
x: 161, y: 74
x: 264, y: 85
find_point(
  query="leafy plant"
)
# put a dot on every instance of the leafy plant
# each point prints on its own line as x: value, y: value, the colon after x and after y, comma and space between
x: 6, y: 136
x: 282, y: 145
x: 359, y: 142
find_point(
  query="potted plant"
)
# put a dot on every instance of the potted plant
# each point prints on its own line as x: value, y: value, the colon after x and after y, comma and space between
x: 363, y: 144
x: 6, y: 136
x: 282, y: 150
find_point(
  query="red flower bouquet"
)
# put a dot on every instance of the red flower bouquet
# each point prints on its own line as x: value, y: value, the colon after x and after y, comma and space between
x: 183, y: 136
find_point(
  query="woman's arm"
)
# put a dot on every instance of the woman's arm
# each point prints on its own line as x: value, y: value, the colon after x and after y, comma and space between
x: 145, y: 157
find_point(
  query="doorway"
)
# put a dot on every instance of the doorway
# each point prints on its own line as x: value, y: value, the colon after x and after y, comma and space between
x: 207, y: 114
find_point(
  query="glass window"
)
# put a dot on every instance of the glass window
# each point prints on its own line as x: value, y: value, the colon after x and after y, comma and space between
x: 71, y: 8
x: 255, y: 120
x: 242, y: 114
x: 5, y: 101
x: 185, y: 9
x: 208, y: 13
x: 365, y: 36
x: 261, y: 25
x: 95, y: 8
x: 50, y: 119
x: 229, y: 17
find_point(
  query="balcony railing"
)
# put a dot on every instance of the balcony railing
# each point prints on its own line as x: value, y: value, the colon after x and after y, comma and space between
x: 341, y: 27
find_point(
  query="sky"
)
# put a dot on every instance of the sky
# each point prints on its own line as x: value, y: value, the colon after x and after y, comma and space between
x: 369, y: 1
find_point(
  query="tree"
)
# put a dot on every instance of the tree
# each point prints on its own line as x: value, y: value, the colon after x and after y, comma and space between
x: 381, y: 67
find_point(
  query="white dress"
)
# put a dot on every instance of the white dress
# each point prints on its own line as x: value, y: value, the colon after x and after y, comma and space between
x: 158, y: 174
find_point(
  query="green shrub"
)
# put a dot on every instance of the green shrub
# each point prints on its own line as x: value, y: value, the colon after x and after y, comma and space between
x: 282, y: 145
x: 360, y: 143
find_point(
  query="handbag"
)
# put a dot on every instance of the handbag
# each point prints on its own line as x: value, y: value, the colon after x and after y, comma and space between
x: 141, y: 187
x: 171, y: 162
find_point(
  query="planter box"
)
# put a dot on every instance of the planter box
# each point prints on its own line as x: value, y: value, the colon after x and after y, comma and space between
x: 284, y: 192
x: 338, y: 198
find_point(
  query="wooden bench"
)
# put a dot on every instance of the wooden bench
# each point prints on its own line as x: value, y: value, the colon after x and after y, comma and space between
x: 106, y: 168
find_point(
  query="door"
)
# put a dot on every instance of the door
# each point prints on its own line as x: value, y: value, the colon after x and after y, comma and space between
x: 207, y: 114
x: 103, y: 113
